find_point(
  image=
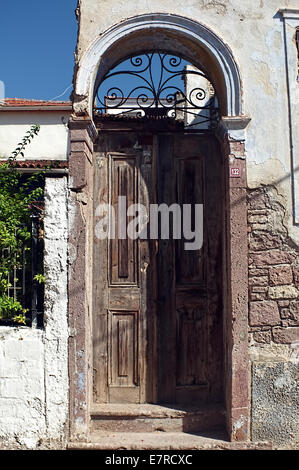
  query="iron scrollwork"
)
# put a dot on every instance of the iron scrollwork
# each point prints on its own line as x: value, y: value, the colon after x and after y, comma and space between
x: 155, y: 85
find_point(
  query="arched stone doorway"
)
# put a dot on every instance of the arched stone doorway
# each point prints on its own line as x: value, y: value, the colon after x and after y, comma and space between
x: 201, y: 46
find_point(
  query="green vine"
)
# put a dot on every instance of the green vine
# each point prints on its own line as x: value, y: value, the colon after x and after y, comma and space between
x: 29, y: 135
x: 18, y: 196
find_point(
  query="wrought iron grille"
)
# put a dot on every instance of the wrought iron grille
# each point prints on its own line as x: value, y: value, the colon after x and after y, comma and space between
x: 36, y: 290
x: 156, y: 85
x: 16, y: 276
x: 21, y: 278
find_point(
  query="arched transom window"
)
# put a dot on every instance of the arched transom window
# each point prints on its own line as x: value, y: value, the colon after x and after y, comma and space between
x: 158, y: 85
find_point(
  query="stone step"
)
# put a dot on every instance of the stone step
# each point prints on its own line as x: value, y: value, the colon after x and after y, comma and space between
x: 164, y: 441
x: 147, y: 418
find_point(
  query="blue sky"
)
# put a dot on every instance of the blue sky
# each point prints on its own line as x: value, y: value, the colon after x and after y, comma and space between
x: 37, y: 45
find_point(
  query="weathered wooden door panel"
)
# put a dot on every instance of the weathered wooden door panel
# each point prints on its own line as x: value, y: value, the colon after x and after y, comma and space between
x: 190, y: 367
x: 123, y: 325
x: 190, y: 190
x: 123, y: 177
x: 123, y: 379
x: 121, y: 313
x: 157, y: 323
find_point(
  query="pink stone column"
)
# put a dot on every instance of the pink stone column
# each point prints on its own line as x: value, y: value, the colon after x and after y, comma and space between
x: 82, y: 135
x: 236, y: 315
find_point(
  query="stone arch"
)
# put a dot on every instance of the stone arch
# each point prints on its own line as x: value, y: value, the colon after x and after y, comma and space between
x: 168, y: 32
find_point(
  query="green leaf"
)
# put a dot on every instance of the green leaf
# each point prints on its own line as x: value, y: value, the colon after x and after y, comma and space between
x: 40, y: 278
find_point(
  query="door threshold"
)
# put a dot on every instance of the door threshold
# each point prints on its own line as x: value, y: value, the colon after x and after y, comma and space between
x: 149, y: 409
x: 156, y: 418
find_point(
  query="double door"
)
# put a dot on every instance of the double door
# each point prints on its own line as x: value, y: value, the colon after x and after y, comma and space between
x: 157, y: 269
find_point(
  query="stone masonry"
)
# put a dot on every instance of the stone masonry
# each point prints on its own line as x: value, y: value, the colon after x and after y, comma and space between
x: 273, y: 271
x: 273, y: 320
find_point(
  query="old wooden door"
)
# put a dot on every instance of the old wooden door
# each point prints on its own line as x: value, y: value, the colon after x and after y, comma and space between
x: 157, y: 322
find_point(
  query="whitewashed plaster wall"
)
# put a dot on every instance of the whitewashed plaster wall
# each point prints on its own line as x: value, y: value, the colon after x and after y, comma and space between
x: 254, y: 32
x: 51, y: 143
x: 34, y: 362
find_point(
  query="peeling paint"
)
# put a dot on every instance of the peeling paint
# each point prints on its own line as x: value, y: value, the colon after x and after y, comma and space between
x: 81, y: 382
x: 239, y: 424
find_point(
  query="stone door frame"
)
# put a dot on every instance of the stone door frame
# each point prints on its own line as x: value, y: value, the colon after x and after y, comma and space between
x: 231, y: 134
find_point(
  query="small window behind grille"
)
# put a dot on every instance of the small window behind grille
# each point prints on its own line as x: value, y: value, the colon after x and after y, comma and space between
x: 23, y: 286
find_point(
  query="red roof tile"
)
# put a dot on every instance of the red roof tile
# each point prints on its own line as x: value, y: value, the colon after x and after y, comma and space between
x: 52, y: 164
x: 24, y: 102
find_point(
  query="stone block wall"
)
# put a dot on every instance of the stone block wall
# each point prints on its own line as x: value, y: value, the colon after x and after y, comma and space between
x: 273, y: 319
